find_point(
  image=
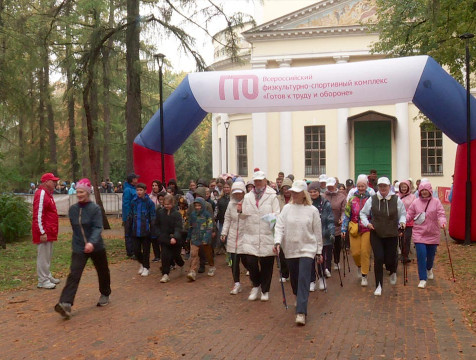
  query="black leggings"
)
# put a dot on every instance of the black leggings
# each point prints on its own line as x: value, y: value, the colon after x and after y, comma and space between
x: 337, y: 249
x: 235, y: 265
x: 171, y: 254
x: 261, y: 271
x: 385, y: 252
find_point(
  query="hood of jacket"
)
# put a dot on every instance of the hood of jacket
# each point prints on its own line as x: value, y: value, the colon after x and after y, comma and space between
x: 425, y: 186
x: 400, y: 193
x: 128, y: 186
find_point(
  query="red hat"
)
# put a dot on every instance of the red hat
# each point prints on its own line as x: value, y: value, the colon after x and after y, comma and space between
x: 48, y: 176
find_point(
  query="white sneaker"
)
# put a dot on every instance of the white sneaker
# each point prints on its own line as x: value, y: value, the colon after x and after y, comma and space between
x: 378, y: 290
x: 247, y: 273
x: 301, y: 319
x: 321, y: 284
x: 327, y: 272
x: 364, y: 281
x: 359, y: 272
x: 393, y: 279
x: 191, y: 275
x: 312, y: 287
x: 283, y: 279
x: 430, y: 275
x: 145, y: 272
x: 265, y: 296
x: 211, y: 271
x: 422, y: 284
x: 141, y: 269
x: 54, y: 280
x: 336, y: 266
x: 236, y: 289
x: 254, y: 293
x: 165, y: 278
x: 46, y: 285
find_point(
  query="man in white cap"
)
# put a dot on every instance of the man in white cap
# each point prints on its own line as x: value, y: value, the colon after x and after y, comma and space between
x: 384, y: 213
x: 258, y: 240
x: 322, y: 183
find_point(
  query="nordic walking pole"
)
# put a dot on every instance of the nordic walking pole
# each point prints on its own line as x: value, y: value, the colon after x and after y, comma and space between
x: 234, y: 264
x: 323, y: 275
x: 340, y: 278
x: 343, y: 251
x: 403, y: 247
x: 280, y: 277
x: 449, y: 255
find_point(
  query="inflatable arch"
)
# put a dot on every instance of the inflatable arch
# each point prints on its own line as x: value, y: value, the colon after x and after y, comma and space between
x: 418, y: 79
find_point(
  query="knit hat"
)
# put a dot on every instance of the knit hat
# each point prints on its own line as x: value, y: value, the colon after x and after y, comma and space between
x: 314, y: 186
x: 287, y: 182
x: 201, y: 192
x: 363, y: 179
x: 84, y: 184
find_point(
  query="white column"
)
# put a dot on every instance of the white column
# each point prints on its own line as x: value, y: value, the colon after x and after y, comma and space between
x: 215, y: 149
x: 224, y: 118
x: 402, y: 142
x: 286, y: 132
x: 260, y: 133
x: 343, y: 142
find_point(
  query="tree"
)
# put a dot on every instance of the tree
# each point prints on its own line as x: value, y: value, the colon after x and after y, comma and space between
x: 427, y: 27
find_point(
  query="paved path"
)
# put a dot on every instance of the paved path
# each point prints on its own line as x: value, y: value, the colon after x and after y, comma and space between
x: 150, y: 320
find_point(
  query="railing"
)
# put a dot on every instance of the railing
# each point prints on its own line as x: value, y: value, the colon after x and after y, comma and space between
x: 112, y: 202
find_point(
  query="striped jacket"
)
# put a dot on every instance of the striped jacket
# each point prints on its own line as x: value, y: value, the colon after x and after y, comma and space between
x: 45, y: 216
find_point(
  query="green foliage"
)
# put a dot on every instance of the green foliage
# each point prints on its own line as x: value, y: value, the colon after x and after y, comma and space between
x: 15, y: 217
x: 427, y: 27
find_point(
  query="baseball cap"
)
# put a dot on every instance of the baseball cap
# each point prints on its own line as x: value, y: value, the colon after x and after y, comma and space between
x: 383, y: 180
x: 323, y: 178
x: 331, y: 181
x: 349, y: 182
x: 298, y: 186
x: 49, y: 176
x: 132, y: 176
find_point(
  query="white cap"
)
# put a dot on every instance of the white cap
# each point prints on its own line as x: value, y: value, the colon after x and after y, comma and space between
x: 298, y: 186
x: 259, y: 175
x: 323, y: 178
x: 383, y: 180
x: 331, y: 181
x: 397, y: 185
x: 424, y: 180
x: 237, y: 187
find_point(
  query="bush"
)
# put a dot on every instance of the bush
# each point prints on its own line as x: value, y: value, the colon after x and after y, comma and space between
x: 15, y: 217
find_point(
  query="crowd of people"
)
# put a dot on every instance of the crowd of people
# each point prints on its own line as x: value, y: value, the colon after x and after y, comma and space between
x: 304, y: 226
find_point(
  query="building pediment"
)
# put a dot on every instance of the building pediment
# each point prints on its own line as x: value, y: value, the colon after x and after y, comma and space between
x: 324, y: 18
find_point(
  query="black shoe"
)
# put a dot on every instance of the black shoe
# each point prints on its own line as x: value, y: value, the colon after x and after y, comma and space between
x: 201, y: 269
x: 64, y: 309
x: 156, y: 260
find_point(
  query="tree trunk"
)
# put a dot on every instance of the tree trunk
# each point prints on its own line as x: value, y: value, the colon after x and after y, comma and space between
x: 133, y: 103
x: 41, y: 122
x: 84, y: 148
x: 49, y: 109
x: 21, y: 139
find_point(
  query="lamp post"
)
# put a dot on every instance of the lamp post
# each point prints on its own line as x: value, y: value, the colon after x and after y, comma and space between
x: 160, y: 60
x: 227, y: 125
x: 467, y: 233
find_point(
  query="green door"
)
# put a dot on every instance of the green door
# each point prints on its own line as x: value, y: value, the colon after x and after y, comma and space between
x: 373, y: 148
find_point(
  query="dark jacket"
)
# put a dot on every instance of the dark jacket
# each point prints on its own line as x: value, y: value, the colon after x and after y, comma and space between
x: 222, y: 204
x: 141, y: 219
x: 168, y: 226
x: 327, y: 219
x: 90, y: 217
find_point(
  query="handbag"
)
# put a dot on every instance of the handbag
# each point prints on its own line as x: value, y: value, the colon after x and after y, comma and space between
x: 353, y: 228
x: 420, y: 218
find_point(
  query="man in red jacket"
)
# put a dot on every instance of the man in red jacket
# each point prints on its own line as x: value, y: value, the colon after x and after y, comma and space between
x: 44, y: 228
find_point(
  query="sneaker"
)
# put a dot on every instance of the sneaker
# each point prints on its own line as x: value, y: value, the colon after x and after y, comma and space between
x: 430, y: 275
x: 359, y: 272
x: 254, y: 293
x: 364, y: 281
x: 321, y: 284
x: 327, y: 272
x: 283, y: 279
x: 393, y: 278
x: 64, y: 309
x: 236, y: 289
x: 422, y: 284
x: 201, y: 269
x: 211, y: 271
x: 145, y: 272
x: 247, y: 273
x: 165, y: 278
x: 172, y: 267
x: 191, y: 275
x: 336, y: 266
x: 301, y: 319
x: 46, y: 285
x: 378, y: 290
x: 312, y: 286
x: 54, y: 280
x: 264, y: 296
x: 141, y: 269
x: 103, y: 300
x: 155, y: 260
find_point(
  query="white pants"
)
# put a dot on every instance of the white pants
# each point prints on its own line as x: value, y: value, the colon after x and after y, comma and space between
x: 43, y: 261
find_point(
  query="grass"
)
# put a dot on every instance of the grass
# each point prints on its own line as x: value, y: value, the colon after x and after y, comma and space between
x: 18, y: 261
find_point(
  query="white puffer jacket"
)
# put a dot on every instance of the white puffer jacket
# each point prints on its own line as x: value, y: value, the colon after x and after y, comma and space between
x: 234, y: 228
x: 258, y: 238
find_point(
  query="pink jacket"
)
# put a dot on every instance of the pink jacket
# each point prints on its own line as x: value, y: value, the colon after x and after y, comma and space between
x: 429, y: 231
x: 408, y: 198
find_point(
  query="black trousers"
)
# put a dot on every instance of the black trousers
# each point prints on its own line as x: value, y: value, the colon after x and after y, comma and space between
x: 385, y: 252
x: 78, y: 262
x: 155, y: 247
x: 235, y: 265
x: 261, y: 271
x: 284, y: 264
x: 327, y: 256
x: 337, y: 248
x: 171, y: 253
x: 142, y: 250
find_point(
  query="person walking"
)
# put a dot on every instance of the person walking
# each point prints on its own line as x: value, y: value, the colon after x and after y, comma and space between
x: 284, y: 197
x: 426, y: 230
x: 298, y: 232
x: 383, y: 214
x: 44, y: 229
x: 222, y: 205
x: 86, y: 221
x: 407, y: 198
x: 258, y: 240
x: 127, y: 196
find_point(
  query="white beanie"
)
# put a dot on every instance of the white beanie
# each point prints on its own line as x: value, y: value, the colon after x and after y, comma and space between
x: 362, y: 178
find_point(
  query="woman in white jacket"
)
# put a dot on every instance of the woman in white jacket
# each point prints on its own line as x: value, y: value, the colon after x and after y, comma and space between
x: 258, y: 240
x: 298, y: 231
x: 232, y: 232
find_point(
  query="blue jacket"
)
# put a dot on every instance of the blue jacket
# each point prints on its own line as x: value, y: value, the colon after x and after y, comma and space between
x: 127, y: 196
x: 327, y: 219
x: 141, y: 218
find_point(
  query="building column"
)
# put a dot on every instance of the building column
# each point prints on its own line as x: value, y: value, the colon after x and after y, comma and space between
x: 286, y: 132
x: 224, y: 118
x: 215, y: 146
x: 260, y: 132
x: 402, y: 142
x: 343, y: 141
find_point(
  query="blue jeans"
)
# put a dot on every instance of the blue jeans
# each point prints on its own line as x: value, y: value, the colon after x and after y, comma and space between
x: 300, y: 274
x: 425, y: 257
